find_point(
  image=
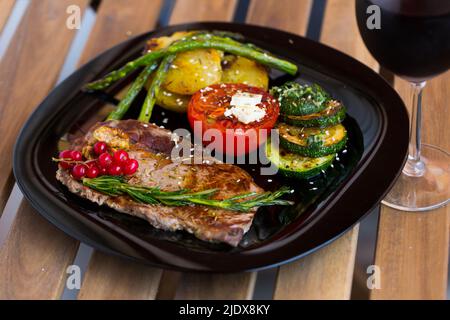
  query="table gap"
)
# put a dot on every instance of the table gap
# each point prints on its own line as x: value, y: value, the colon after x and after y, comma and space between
x: 165, y: 13
x: 315, y: 20
x: 81, y: 260
x: 95, y: 4
x: 20, y: 7
x: 78, y: 44
x: 365, y: 254
x: 241, y: 10
x: 10, y: 212
x: 367, y: 237
x: 265, y: 284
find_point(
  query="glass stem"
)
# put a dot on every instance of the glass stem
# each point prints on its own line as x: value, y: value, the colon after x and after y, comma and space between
x: 415, y: 166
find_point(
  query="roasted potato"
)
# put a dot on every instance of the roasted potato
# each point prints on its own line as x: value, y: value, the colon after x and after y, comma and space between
x: 237, y: 69
x: 181, y: 80
x: 172, y: 101
x: 191, y: 70
x: 194, y: 70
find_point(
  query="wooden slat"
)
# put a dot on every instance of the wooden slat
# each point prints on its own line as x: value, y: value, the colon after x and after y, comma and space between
x: 288, y: 15
x: 118, y: 20
x: 6, y: 7
x: 202, y: 10
x: 412, y: 248
x: 340, y: 31
x: 35, y: 255
x: 110, y: 277
x: 31, y: 64
x: 217, y: 286
x: 34, y: 258
x: 328, y: 273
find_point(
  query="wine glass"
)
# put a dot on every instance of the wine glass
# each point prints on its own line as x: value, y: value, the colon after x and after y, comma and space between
x: 411, y: 38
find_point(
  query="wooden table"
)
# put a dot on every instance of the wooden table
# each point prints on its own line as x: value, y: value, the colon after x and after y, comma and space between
x: 411, y: 249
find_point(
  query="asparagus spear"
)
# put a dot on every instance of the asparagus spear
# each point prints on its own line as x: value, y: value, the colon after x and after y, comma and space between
x: 147, y: 107
x: 134, y: 90
x: 118, y: 74
x: 199, y: 42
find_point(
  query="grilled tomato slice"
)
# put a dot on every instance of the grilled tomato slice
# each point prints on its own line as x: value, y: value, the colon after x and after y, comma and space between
x: 238, y: 113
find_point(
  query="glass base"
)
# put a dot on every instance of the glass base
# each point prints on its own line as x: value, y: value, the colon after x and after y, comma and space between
x: 429, y: 190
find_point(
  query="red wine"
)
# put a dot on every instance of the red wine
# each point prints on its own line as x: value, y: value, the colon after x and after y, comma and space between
x: 414, y: 36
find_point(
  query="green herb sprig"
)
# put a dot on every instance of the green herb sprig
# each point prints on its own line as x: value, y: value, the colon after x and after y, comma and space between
x: 117, y: 186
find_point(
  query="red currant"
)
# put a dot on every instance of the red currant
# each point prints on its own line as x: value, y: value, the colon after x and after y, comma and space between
x: 91, y: 163
x: 76, y: 155
x: 115, y: 169
x: 103, y: 171
x: 105, y: 159
x: 121, y: 157
x: 79, y: 171
x: 65, y: 165
x: 131, y: 166
x: 100, y: 147
x: 66, y: 154
x: 92, y: 172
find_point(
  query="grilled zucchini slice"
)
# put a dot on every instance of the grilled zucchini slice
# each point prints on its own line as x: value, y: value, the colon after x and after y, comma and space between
x: 332, y: 115
x: 312, y: 142
x: 292, y: 165
x: 300, y: 100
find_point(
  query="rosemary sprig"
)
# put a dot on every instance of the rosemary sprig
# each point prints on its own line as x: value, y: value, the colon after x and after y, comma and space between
x: 117, y: 186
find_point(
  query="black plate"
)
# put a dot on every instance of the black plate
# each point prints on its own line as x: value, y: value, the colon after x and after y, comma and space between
x: 325, y: 207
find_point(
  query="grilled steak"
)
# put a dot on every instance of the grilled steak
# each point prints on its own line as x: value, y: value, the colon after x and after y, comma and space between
x: 150, y: 145
x: 129, y: 133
